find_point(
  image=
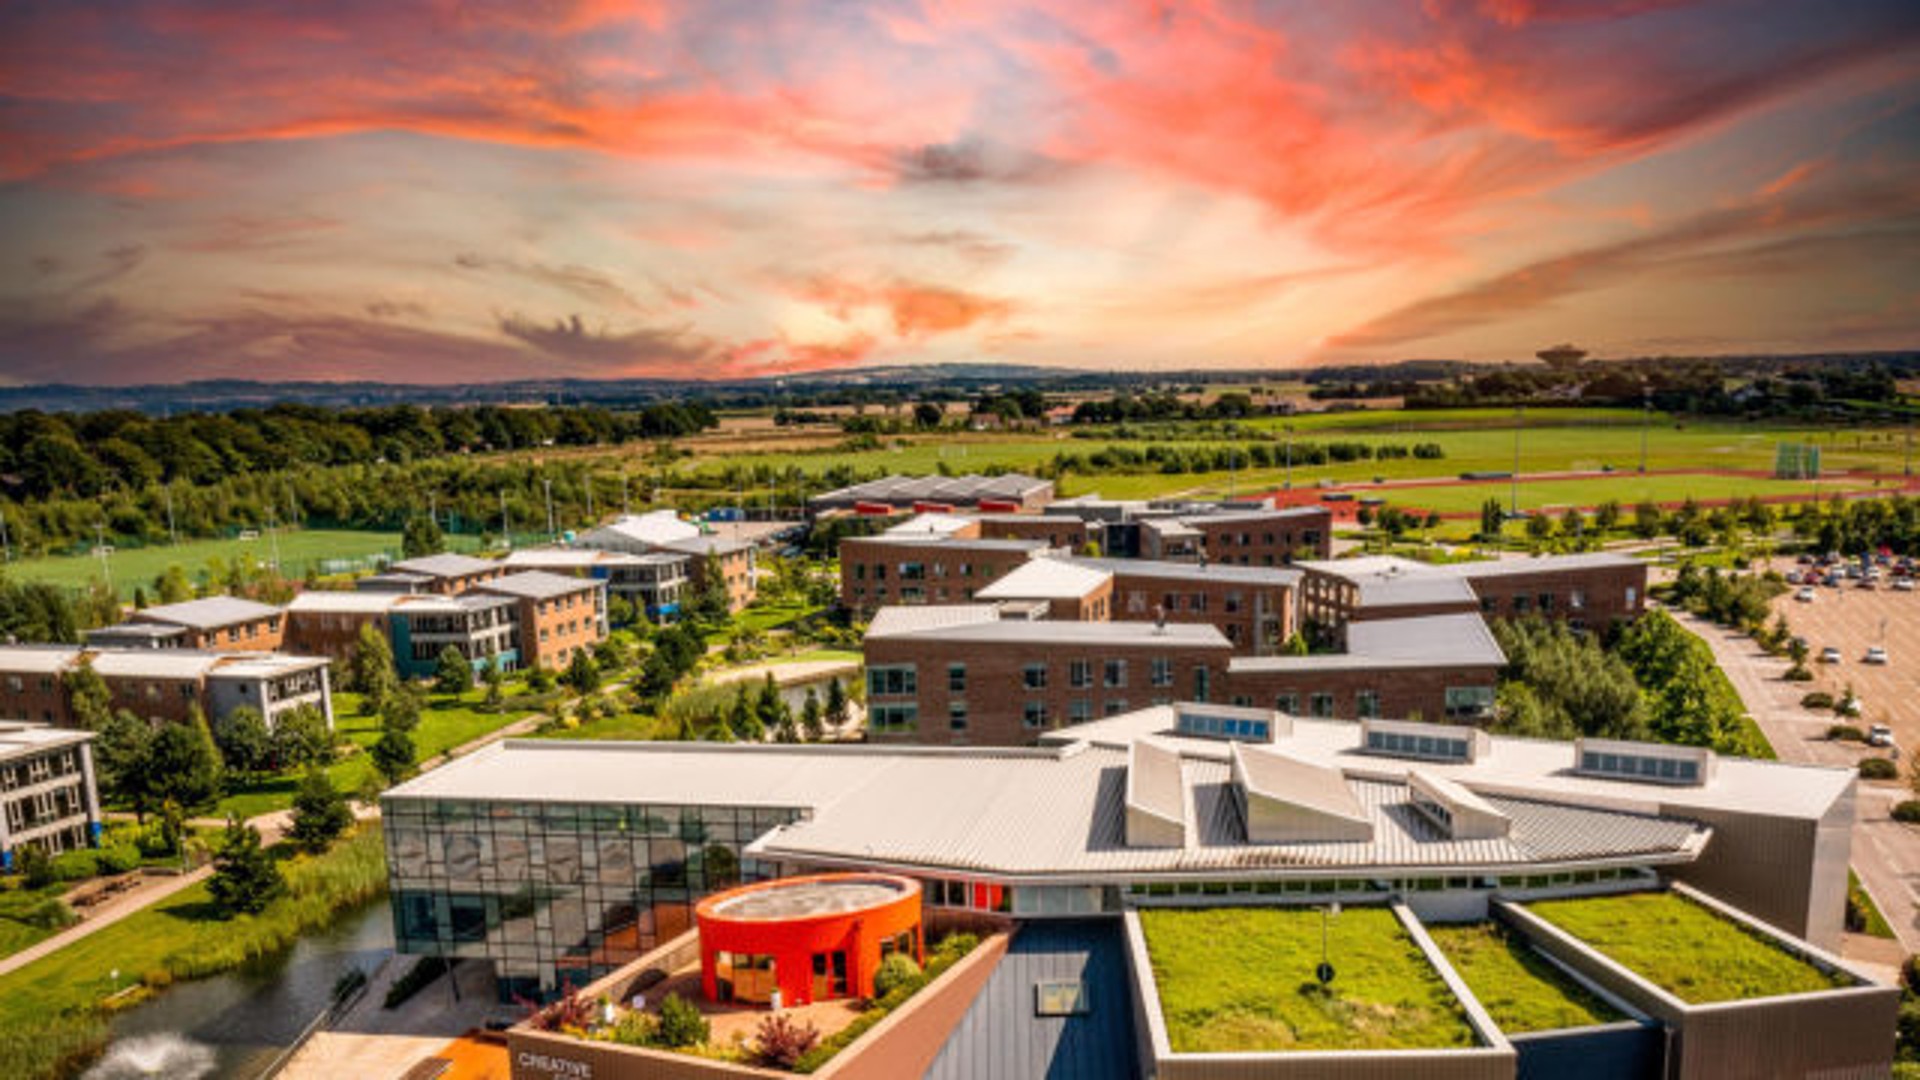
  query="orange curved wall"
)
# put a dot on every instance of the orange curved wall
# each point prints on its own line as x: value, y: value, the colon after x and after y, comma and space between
x: 793, y: 942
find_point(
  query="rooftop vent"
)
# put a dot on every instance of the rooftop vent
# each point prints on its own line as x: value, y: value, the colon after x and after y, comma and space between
x: 1649, y: 763
x: 1156, y: 796
x: 1424, y: 742
x: 1459, y: 813
x: 1287, y: 801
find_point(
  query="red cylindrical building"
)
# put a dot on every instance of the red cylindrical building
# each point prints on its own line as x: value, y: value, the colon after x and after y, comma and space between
x: 813, y: 938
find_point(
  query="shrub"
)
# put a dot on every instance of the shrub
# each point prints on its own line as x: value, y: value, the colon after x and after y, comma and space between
x: 1817, y: 699
x: 50, y: 914
x: 780, y: 1042
x: 1846, y: 733
x: 1907, y: 811
x: 634, y: 1029
x: 117, y: 859
x: 1878, y: 768
x: 1910, y: 974
x: 681, y: 1023
x: 896, y: 971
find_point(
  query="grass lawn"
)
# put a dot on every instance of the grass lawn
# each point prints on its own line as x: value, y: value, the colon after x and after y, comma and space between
x: 1521, y: 990
x: 1684, y: 948
x: 1857, y: 897
x: 299, y: 548
x: 637, y: 726
x: 1242, y: 979
x: 444, y: 723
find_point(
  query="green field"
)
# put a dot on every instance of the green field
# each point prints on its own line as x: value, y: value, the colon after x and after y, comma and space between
x: 1684, y: 948
x: 299, y: 549
x: 1242, y: 980
x: 1519, y: 988
x: 444, y: 723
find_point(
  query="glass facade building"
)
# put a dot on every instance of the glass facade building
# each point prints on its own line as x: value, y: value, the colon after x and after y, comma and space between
x: 555, y: 893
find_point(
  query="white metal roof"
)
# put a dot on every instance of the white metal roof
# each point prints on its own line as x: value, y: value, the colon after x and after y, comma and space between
x: 37, y: 659
x: 444, y: 565
x: 262, y: 665
x: 1046, y: 579
x: 1157, y: 569
x: 208, y: 612
x: 931, y: 524
x: 1540, y: 564
x: 350, y: 603
x: 18, y: 739
x: 912, y: 618
x: 1272, y: 774
x: 1111, y: 635
x: 1388, y: 580
x: 154, y: 663
x: 1424, y: 641
x: 537, y: 585
x: 570, y: 558
x: 654, y: 528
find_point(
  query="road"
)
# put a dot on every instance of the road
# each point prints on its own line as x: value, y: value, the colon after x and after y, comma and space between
x: 1886, y: 854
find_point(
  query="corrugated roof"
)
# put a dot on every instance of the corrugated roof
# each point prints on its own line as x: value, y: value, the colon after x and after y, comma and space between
x: 1001, y: 1038
x: 1255, y: 517
x: 207, y: 613
x: 1046, y: 579
x: 537, y: 585
x: 707, y: 545
x: 958, y: 489
x: 1424, y: 641
x: 654, y: 528
x: 1110, y: 635
x: 20, y: 739
x: 262, y: 665
x: 953, y: 543
x: 1186, y: 571
x: 930, y: 525
x: 445, y: 565
x: 1540, y: 564
x: 571, y: 558
x: 37, y: 659
x: 1270, y: 774
x: 913, y: 618
x: 352, y: 603
x: 1388, y: 580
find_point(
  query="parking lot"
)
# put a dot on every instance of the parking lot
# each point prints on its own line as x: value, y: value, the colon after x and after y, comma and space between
x: 1852, y: 620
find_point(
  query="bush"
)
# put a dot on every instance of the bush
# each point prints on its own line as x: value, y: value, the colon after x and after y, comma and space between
x: 896, y: 971
x: 1846, y: 733
x: 634, y: 1029
x: 1878, y: 768
x: 681, y: 1024
x: 1817, y: 699
x: 1907, y: 811
x: 1798, y: 674
x: 1910, y: 974
x: 779, y: 1043
x: 50, y: 914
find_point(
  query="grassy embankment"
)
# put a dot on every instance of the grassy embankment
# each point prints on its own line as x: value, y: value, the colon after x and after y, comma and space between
x: 1519, y: 988
x: 53, y: 1011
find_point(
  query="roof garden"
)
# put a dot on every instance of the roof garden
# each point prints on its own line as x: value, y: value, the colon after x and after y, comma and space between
x: 1685, y: 948
x: 1242, y: 980
x: 1522, y: 990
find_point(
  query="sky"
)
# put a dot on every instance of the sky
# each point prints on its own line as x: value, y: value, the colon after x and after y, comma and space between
x: 450, y: 192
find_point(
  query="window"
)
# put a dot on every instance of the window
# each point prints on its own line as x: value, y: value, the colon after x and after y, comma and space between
x: 1162, y: 671
x: 899, y: 717
x: 1116, y: 706
x: 1034, y: 677
x: 1060, y: 997
x: 956, y: 716
x: 1202, y: 682
x: 1035, y: 714
x: 1079, y: 711
x: 1437, y: 747
x: 956, y: 678
x: 1670, y: 770
x: 1079, y: 674
x: 1577, y: 600
x: 1116, y: 673
x: 1366, y: 704
x: 1487, y: 604
x: 894, y: 680
x: 1321, y: 705
x: 1469, y: 701
x: 1287, y: 703
x: 1521, y: 603
x: 1633, y: 595
x: 1546, y: 602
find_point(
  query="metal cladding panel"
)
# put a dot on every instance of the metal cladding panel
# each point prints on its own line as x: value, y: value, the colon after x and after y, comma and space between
x: 1623, y: 1051
x: 1001, y: 1037
x: 1768, y: 867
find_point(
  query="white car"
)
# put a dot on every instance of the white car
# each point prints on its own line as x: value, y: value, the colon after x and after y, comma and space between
x: 1903, y: 584
x: 1879, y: 735
x: 1829, y: 655
x: 1875, y: 655
x: 1805, y: 595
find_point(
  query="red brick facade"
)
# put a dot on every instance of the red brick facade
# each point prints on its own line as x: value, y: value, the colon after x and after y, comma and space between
x: 1056, y: 530
x: 1399, y: 693
x: 1256, y: 618
x: 263, y: 634
x: 876, y: 571
x: 1591, y: 597
x: 1265, y: 539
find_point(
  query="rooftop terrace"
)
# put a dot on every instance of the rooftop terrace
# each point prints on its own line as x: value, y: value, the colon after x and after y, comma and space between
x: 1522, y: 990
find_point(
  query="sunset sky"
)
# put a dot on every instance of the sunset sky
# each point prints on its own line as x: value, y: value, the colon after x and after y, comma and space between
x: 458, y: 192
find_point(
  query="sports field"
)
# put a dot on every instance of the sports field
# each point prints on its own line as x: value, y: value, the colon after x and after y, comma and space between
x: 298, y: 549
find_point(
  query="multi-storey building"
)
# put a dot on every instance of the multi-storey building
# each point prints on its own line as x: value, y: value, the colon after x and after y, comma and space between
x: 1264, y: 537
x: 964, y: 675
x: 223, y: 623
x: 638, y: 534
x: 1589, y: 590
x: 923, y: 568
x: 895, y: 494
x: 326, y: 623
x: 1431, y: 667
x: 1064, y: 590
x: 161, y: 684
x: 732, y: 558
x: 481, y: 625
x: 656, y: 584
x: 1252, y: 605
x: 555, y: 616
x: 49, y: 798
x: 445, y: 573
x: 1055, y: 530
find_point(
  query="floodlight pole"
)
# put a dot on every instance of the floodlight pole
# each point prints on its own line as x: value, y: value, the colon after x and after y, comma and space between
x: 1646, y: 421
x: 1289, y: 486
x: 6, y: 546
x: 1513, y: 490
x: 100, y: 546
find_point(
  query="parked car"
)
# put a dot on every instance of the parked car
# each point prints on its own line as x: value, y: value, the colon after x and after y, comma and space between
x: 1879, y: 735
x: 1805, y: 595
x: 1833, y: 581
x: 1830, y: 655
x: 1793, y: 577
x: 1903, y: 584
x: 1868, y: 583
x: 1875, y: 655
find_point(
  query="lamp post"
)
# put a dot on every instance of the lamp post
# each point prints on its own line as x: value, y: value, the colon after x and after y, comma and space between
x: 1513, y: 490
x: 1646, y: 421
x: 1289, y: 486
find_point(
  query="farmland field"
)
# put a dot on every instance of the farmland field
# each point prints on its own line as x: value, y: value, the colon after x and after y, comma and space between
x: 299, y: 548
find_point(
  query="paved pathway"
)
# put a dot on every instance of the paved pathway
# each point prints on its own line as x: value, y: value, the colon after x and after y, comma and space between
x: 1886, y: 854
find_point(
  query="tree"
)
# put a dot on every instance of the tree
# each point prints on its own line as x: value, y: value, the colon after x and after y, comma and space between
x: 184, y: 765
x: 743, y: 721
x: 838, y: 711
x: 372, y: 669
x: 1606, y: 516
x: 1492, y: 517
x: 1646, y: 520
x: 620, y: 610
x: 37, y: 611
x: 1539, y: 526
x: 245, y: 877
x: 496, y: 684
x: 682, y: 1024
x: 928, y: 414
x: 452, y: 673
x: 393, y: 755
x: 245, y: 744
x: 320, y: 813
x: 582, y: 675
x: 422, y: 537
x: 812, y: 717
x: 122, y: 752
x: 302, y: 738
x: 401, y: 710
x: 87, y: 695
x: 769, y: 708
x: 173, y: 585
x: 711, y: 605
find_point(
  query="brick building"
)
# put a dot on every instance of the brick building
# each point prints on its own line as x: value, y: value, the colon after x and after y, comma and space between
x: 1264, y: 537
x: 1066, y: 591
x: 1056, y: 530
x: 733, y: 559
x: 554, y: 615
x: 161, y: 684
x: 1590, y: 590
x: 1342, y: 591
x: 962, y: 675
x: 656, y: 583
x: 1433, y: 667
x: 1008, y: 492
x: 49, y: 796
x: 924, y: 568
x: 31, y: 683
x: 1252, y: 606
x: 447, y: 573
x: 221, y: 623
x: 324, y: 623
x: 482, y: 626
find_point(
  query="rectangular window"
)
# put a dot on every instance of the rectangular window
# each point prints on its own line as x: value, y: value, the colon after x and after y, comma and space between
x: 1162, y: 671
x: 1116, y: 673
x: 1521, y: 603
x: 1035, y: 715
x: 956, y: 678
x: 1469, y: 701
x: 893, y: 680
x: 956, y: 716
x: 1577, y: 600
x: 1034, y: 677
x: 1321, y: 705
x: 1079, y: 711
x: 1116, y: 706
x: 1202, y: 682
x: 1059, y: 997
x: 1546, y: 602
x: 1366, y: 704
x: 1079, y: 674
x: 899, y: 717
